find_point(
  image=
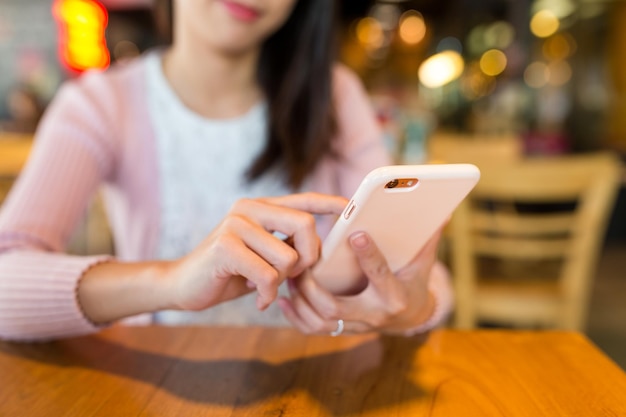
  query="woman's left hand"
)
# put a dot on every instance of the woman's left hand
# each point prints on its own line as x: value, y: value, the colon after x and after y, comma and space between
x: 391, y: 303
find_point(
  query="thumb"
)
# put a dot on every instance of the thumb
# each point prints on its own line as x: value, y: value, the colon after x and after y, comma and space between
x: 371, y: 260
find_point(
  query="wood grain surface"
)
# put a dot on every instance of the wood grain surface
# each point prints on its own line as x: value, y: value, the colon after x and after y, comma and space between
x: 196, y: 371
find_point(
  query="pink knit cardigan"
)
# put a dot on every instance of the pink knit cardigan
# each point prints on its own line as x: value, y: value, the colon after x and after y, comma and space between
x: 97, y: 133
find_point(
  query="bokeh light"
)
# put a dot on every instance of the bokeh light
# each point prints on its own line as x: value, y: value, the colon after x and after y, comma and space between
x: 493, y: 62
x: 476, y: 40
x: 440, y: 69
x: 369, y: 32
x: 412, y: 27
x: 544, y: 23
x: 125, y: 49
x: 476, y: 83
x: 559, y: 73
x: 559, y: 46
x: 450, y: 43
x: 560, y: 8
x: 499, y: 35
x: 386, y: 15
x: 536, y: 75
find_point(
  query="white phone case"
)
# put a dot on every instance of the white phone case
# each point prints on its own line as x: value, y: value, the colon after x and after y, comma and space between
x: 399, y: 220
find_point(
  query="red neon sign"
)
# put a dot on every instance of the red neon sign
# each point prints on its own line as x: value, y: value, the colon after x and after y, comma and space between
x: 82, y: 44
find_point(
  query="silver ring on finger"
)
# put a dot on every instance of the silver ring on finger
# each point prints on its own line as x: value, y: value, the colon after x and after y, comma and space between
x: 339, y: 329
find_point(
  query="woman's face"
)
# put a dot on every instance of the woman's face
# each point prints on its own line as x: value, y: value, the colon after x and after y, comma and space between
x: 231, y: 26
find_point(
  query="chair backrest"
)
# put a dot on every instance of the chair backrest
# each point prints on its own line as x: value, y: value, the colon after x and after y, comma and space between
x: 14, y: 150
x: 446, y: 147
x: 93, y: 234
x: 537, y: 209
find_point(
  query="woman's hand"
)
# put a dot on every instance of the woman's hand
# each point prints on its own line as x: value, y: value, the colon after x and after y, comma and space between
x: 239, y: 255
x: 242, y: 253
x: 390, y: 303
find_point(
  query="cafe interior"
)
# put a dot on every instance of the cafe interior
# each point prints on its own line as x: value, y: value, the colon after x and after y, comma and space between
x: 533, y: 92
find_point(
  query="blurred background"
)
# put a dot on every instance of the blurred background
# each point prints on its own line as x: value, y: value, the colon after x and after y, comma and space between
x: 451, y: 80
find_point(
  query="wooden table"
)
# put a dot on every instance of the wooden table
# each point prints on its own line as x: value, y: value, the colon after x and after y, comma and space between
x: 160, y: 371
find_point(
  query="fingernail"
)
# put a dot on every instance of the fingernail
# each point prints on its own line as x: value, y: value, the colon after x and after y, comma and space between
x: 359, y: 240
x: 250, y: 284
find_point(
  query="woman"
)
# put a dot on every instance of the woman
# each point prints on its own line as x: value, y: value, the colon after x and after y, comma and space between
x: 188, y: 143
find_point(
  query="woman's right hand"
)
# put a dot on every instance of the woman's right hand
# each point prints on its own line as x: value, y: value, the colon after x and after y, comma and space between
x: 239, y: 255
x: 242, y: 253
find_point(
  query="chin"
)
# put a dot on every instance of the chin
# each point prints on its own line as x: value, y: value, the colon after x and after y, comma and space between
x: 236, y: 42
x: 236, y: 48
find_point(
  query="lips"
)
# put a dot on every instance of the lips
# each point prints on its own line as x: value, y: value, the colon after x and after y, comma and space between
x: 241, y: 12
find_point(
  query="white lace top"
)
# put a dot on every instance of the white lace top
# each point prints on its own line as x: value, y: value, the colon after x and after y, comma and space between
x: 202, y: 165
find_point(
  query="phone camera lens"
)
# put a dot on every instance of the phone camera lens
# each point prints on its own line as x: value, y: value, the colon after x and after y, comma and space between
x: 392, y: 184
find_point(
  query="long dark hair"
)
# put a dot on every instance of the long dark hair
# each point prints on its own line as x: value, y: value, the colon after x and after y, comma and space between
x: 295, y: 73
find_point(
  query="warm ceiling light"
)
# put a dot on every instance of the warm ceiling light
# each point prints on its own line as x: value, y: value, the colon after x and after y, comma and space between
x: 493, y: 62
x: 536, y: 75
x: 441, y: 68
x: 412, y: 27
x: 544, y: 23
x: 369, y: 32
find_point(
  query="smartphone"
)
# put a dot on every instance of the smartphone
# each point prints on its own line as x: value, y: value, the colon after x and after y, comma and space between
x: 400, y: 207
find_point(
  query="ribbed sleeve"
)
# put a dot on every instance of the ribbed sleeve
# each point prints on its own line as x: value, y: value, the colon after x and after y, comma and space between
x: 38, y: 296
x: 86, y: 139
x: 71, y: 157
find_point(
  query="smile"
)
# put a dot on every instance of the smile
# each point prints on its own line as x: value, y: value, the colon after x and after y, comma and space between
x: 241, y: 12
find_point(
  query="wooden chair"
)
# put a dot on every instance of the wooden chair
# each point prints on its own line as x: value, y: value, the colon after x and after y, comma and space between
x: 93, y: 235
x: 525, y: 243
x: 447, y: 147
x: 14, y: 150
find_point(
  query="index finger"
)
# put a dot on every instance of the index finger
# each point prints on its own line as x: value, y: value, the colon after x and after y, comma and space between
x: 314, y: 203
x: 287, y: 216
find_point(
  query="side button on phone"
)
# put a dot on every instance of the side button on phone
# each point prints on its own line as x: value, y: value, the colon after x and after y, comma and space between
x: 348, y: 211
